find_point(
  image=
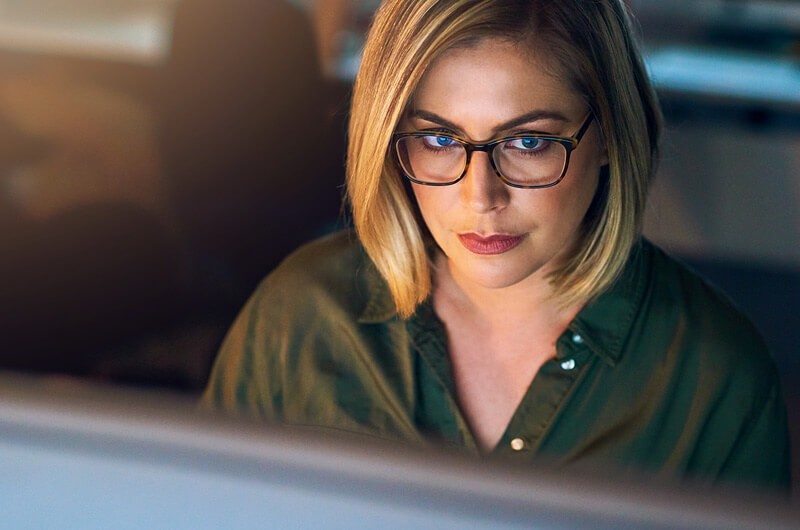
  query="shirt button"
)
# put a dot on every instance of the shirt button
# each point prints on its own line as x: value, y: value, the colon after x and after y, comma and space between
x: 517, y: 444
x: 569, y: 364
x: 577, y: 339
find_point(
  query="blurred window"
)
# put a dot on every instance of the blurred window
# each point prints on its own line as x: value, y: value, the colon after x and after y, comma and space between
x: 127, y: 30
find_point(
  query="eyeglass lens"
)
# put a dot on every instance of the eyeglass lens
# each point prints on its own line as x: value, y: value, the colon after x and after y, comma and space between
x: 527, y: 161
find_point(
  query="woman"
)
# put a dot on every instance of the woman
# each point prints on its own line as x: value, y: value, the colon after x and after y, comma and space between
x: 496, y: 295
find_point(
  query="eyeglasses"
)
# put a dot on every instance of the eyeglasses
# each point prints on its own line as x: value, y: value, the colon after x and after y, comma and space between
x: 529, y: 160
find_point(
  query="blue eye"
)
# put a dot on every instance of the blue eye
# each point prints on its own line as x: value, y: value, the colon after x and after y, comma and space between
x: 530, y: 143
x: 438, y: 141
x: 527, y: 145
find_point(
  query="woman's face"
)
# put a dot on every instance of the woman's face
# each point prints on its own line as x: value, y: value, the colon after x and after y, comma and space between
x: 495, y: 236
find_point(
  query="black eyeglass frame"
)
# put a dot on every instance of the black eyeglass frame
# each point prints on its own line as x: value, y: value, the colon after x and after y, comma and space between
x: 570, y: 143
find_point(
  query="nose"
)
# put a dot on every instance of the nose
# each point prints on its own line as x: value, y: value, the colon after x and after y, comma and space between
x: 481, y: 189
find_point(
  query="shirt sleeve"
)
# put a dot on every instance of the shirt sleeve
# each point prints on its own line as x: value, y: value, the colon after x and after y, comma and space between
x: 761, y: 456
x: 241, y: 383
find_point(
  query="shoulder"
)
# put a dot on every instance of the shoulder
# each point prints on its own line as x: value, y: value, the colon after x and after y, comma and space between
x: 328, y: 282
x: 323, y: 257
x: 694, y: 371
x: 303, y: 311
x: 323, y: 273
x: 706, y: 310
x: 716, y: 335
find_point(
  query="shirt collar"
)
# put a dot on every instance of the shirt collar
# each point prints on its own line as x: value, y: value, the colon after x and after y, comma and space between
x: 605, y: 323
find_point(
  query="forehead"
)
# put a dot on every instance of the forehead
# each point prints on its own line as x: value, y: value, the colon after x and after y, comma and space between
x: 495, y: 79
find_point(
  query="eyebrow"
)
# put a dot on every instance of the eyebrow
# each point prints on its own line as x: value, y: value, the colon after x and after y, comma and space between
x: 528, y: 117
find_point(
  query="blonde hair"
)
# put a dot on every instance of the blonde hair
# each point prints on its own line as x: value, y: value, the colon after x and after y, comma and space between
x: 591, y: 40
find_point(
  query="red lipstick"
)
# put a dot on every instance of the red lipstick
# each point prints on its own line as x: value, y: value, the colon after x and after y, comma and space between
x: 494, y: 244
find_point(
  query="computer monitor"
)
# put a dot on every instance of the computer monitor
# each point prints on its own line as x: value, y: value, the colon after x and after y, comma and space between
x: 78, y: 457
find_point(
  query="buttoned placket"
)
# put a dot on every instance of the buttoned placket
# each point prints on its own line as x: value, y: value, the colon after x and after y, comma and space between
x: 595, y: 337
x: 545, y: 397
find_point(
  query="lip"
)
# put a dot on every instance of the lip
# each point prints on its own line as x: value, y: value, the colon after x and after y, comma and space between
x: 489, y: 245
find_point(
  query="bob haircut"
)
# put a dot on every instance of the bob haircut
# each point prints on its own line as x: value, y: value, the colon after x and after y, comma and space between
x: 592, y: 44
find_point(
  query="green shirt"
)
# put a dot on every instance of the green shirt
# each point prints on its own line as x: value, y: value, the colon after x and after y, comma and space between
x: 659, y: 374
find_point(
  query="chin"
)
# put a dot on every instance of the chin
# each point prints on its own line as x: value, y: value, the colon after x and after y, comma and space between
x: 497, y: 276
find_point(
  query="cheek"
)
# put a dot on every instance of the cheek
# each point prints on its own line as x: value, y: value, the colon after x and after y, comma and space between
x: 581, y: 193
x: 566, y: 204
x: 431, y: 203
x: 583, y: 176
x: 585, y: 185
x: 418, y: 196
